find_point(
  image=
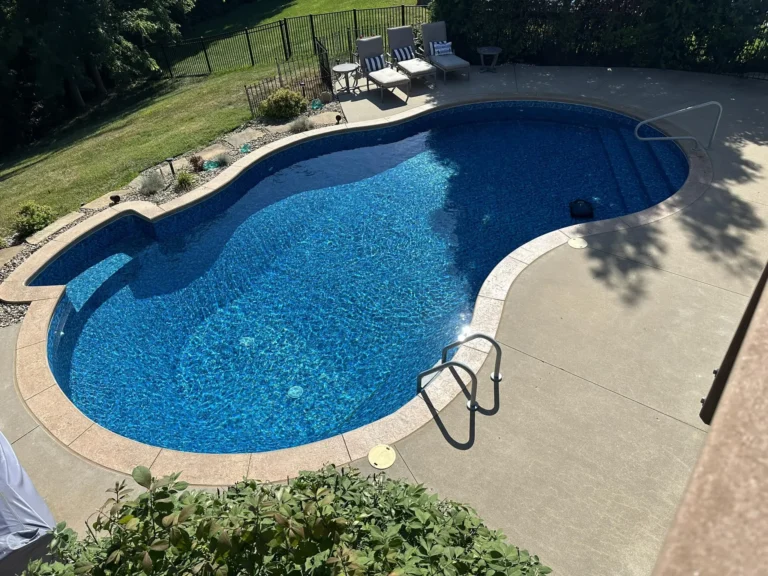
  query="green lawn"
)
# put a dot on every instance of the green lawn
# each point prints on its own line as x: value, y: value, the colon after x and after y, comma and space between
x: 263, y: 11
x: 106, y: 149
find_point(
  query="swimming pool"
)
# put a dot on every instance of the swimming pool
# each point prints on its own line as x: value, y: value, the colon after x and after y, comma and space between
x: 340, y: 266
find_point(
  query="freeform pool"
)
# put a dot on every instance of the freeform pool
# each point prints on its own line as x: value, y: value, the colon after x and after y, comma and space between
x: 340, y: 266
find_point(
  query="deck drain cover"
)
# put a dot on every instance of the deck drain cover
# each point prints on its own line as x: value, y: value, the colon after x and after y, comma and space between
x: 295, y: 392
x: 577, y: 243
x: 382, y: 456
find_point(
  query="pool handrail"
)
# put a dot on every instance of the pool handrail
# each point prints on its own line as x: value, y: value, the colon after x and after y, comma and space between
x: 496, y: 376
x: 472, y: 404
x: 676, y: 112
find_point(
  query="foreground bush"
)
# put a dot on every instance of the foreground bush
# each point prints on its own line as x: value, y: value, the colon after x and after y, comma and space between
x: 32, y: 218
x: 330, y: 522
x: 283, y: 104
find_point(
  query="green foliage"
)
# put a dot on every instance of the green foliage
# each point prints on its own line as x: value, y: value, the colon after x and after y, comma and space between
x: 712, y: 36
x: 283, y: 104
x: 184, y: 181
x: 31, y: 218
x: 3, y: 243
x: 51, y: 52
x: 328, y: 523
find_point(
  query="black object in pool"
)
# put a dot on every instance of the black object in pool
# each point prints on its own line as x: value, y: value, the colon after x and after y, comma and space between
x: 581, y: 209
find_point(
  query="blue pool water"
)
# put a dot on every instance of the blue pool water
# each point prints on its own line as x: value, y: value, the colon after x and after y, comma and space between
x: 341, y: 266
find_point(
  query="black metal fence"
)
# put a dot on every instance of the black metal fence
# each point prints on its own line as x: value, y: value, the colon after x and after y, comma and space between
x: 282, y: 40
x: 308, y: 75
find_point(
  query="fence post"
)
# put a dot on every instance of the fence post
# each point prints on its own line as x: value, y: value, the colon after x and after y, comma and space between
x: 354, y: 19
x: 349, y: 43
x: 250, y: 104
x: 312, y: 30
x: 250, y: 51
x: 282, y: 37
x: 402, y: 14
x: 167, y: 61
x: 279, y: 74
x: 287, y: 38
x: 205, y: 51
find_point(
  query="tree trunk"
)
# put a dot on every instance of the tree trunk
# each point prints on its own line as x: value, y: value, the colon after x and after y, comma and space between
x: 75, y: 95
x: 96, y: 77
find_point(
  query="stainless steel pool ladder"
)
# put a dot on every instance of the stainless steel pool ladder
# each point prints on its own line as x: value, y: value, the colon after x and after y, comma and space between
x: 681, y: 111
x: 445, y: 363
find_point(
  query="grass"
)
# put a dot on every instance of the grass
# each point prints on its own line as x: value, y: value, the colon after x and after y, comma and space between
x: 107, y: 148
x: 263, y: 11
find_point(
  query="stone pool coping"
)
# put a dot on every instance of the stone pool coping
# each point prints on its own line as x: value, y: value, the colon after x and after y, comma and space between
x: 48, y: 404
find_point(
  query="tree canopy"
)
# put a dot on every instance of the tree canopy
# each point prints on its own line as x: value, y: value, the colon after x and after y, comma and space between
x: 51, y: 51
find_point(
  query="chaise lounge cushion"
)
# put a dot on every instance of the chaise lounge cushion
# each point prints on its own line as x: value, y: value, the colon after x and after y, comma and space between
x: 416, y: 67
x: 389, y: 78
x: 449, y: 62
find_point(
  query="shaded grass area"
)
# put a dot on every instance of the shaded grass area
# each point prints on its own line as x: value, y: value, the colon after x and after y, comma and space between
x: 111, y: 145
x: 263, y: 11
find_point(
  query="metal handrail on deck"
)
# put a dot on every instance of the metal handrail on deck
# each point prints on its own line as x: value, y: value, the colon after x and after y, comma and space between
x: 675, y: 113
x: 496, y: 376
x: 472, y: 404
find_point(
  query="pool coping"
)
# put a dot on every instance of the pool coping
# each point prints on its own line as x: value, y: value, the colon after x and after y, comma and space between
x: 48, y: 404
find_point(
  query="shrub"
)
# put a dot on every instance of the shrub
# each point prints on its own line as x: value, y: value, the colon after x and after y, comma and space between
x: 184, y: 181
x: 152, y: 182
x: 302, y: 124
x: 3, y: 243
x: 32, y: 218
x: 327, y: 523
x: 196, y: 162
x: 283, y: 104
x: 223, y: 159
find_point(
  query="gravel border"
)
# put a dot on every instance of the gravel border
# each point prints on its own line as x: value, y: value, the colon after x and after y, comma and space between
x: 14, y: 313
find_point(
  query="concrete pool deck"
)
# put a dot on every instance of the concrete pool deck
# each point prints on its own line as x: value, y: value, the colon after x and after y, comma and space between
x: 606, y: 350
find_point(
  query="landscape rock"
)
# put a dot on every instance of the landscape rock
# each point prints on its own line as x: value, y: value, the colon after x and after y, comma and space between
x: 237, y: 139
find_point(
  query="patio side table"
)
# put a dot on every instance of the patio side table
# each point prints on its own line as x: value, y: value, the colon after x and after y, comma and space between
x: 492, y: 51
x: 345, y: 70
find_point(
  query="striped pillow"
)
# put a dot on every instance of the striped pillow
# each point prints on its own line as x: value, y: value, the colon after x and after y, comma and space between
x: 374, y: 63
x: 440, y: 48
x: 403, y: 54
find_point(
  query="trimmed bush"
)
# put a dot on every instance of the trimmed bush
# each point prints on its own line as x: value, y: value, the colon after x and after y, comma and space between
x: 302, y: 124
x: 151, y: 183
x: 327, y: 523
x: 184, y: 181
x: 223, y: 159
x: 283, y: 104
x: 31, y: 218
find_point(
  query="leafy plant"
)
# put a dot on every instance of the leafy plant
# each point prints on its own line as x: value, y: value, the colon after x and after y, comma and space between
x: 152, y: 182
x: 283, y: 104
x: 223, y: 159
x: 196, y: 162
x: 3, y: 243
x: 184, y: 181
x: 327, y: 523
x: 31, y: 218
x: 302, y: 124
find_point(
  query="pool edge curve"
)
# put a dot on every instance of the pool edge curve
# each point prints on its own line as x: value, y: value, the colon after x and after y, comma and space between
x: 44, y: 399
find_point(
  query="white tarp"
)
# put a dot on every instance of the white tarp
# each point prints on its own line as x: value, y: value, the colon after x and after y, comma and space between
x: 24, y: 517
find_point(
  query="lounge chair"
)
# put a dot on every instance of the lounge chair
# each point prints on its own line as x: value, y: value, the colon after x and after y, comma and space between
x: 435, y: 32
x: 377, y: 69
x: 402, y: 52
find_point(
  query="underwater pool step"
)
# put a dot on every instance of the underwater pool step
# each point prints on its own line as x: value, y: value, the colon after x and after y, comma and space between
x: 648, y: 166
x: 628, y: 179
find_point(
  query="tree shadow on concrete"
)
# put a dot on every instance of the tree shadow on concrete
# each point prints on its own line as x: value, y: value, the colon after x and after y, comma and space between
x: 717, y: 225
